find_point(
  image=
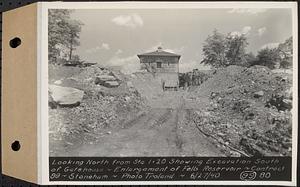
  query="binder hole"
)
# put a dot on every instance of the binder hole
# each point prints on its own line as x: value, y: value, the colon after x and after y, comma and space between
x: 14, y: 43
x: 16, y: 146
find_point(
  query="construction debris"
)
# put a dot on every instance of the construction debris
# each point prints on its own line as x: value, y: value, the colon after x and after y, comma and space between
x: 251, y: 110
x: 244, y: 111
x: 100, y: 109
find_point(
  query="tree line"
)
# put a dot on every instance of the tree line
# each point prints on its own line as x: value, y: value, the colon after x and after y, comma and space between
x: 63, y: 37
x: 223, y: 50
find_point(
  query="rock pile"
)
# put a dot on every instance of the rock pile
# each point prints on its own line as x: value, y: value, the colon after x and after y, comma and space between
x: 96, y: 75
x: 107, y: 80
x: 104, y: 100
x: 250, y: 109
x: 96, y: 115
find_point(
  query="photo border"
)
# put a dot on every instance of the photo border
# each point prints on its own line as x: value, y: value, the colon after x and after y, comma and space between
x: 43, y: 136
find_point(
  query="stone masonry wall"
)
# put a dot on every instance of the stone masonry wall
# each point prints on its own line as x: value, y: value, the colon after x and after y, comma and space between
x: 168, y: 64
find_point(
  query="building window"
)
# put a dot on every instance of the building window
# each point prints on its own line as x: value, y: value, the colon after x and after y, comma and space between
x: 158, y: 64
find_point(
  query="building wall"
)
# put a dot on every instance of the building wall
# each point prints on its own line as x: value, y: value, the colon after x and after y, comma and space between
x: 169, y: 79
x: 168, y: 64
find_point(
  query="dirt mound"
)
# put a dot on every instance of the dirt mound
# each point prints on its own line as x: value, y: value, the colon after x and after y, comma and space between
x: 253, y: 79
x: 89, y: 74
x: 94, y: 117
x: 59, y: 72
x: 101, y: 109
x: 249, y: 110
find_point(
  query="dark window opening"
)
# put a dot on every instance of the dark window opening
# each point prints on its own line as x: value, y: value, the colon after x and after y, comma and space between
x: 158, y: 64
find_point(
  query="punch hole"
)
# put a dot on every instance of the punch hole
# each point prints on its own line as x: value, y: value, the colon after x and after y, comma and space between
x: 14, y: 43
x: 16, y: 146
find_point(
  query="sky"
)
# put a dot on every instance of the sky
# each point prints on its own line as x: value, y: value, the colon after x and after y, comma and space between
x: 115, y: 37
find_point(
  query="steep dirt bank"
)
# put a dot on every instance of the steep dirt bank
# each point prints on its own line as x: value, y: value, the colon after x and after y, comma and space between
x: 249, y: 109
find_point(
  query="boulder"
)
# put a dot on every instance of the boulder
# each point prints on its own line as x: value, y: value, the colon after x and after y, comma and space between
x: 51, y: 102
x: 111, y: 84
x: 289, y: 93
x: 251, y: 148
x: 58, y: 82
x: 221, y: 134
x: 286, y: 145
x: 65, y: 96
x: 127, y: 98
x: 258, y: 94
x: 284, y: 79
x: 213, y: 95
x: 280, y: 103
x: 234, y: 154
x: 287, y: 104
x: 130, y: 84
x: 101, y: 79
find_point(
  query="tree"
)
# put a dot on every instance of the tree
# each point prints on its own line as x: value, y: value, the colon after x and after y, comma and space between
x: 285, y: 51
x: 214, y: 50
x: 221, y: 51
x: 285, y: 64
x: 73, y: 30
x: 267, y: 57
x: 63, y: 35
x: 250, y: 59
x: 56, y: 32
x: 236, y: 49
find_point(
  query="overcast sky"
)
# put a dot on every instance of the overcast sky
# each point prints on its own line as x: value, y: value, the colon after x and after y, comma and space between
x: 115, y: 37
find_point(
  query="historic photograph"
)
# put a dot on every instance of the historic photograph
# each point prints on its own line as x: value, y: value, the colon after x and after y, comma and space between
x: 170, y: 82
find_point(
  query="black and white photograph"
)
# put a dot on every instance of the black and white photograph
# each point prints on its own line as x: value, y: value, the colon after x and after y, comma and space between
x: 202, y: 82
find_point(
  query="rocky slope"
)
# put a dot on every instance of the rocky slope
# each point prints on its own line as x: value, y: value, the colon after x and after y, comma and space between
x: 249, y: 110
x: 101, y: 108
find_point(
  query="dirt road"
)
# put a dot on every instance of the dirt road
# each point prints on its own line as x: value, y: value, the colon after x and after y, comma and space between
x: 157, y: 132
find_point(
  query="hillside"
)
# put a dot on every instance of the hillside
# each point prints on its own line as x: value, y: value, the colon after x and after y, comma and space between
x: 100, y: 110
x: 250, y: 109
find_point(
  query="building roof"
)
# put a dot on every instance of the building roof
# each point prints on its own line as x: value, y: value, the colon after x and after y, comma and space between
x: 159, y: 52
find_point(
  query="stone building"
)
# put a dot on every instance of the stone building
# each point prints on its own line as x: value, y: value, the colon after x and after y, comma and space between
x: 164, y: 66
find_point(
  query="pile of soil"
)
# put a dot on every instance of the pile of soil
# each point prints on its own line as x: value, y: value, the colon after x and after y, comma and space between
x: 249, y: 110
x: 100, y: 110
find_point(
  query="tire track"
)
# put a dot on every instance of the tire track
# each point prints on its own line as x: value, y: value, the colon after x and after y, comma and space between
x: 156, y: 132
x: 164, y: 117
x: 178, y: 137
x: 134, y: 121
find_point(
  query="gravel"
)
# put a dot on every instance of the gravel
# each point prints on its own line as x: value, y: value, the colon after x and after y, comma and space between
x: 240, y: 112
